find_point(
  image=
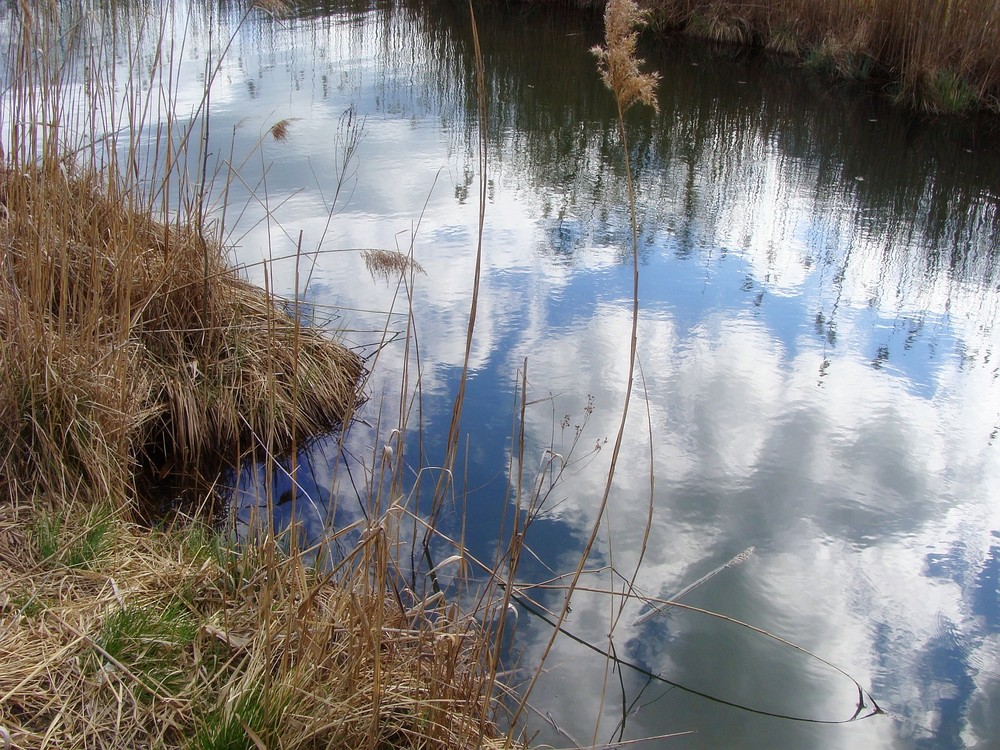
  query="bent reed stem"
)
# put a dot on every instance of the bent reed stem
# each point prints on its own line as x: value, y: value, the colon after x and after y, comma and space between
x: 131, y: 352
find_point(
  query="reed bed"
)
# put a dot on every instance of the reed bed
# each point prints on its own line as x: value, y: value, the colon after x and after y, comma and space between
x: 934, y: 55
x: 132, y: 352
x: 134, y: 356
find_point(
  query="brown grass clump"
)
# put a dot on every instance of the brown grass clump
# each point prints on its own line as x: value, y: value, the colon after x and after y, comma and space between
x: 935, y: 55
x: 172, y: 640
x: 279, y: 131
x: 131, y: 349
x: 131, y: 352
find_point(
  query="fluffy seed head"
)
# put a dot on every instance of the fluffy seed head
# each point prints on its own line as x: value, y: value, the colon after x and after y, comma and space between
x: 617, y: 61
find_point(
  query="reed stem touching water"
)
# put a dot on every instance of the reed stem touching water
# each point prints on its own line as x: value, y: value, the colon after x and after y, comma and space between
x: 132, y: 353
x: 619, y: 68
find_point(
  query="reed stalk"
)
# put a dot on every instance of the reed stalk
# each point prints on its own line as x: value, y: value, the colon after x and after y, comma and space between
x: 620, y: 70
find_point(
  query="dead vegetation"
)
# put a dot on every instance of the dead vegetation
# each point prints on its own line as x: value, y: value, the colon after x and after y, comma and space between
x: 389, y: 264
x: 171, y: 639
x: 132, y: 352
x: 933, y: 55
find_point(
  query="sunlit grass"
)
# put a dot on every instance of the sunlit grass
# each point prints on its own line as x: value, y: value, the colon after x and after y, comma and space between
x: 135, y: 358
x: 174, y: 637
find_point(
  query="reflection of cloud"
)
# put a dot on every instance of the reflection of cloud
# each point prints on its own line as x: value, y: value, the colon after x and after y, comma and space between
x: 984, y: 715
x: 750, y: 449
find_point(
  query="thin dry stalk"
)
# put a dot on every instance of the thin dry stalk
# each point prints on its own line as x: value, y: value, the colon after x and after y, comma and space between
x: 620, y: 72
x: 452, y: 443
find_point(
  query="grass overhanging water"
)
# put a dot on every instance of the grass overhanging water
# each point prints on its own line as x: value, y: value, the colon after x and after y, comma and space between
x: 938, y: 56
x: 135, y: 364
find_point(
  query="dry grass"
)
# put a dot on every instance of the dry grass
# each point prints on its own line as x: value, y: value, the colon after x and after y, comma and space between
x: 279, y: 131
x: 389, y: 264
x: 131, y: 349
x: 131, y: 352
x: 171, y: 640
x: 935, y: 55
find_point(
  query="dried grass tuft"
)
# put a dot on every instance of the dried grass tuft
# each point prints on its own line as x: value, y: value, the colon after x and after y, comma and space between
x: 279, y: 131
x: 389, y: 264
x: 276, y: 8
x: 131, y: 348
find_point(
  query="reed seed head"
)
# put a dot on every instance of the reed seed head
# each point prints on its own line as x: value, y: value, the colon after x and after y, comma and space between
x: 617, y: 61
x: 276, y: 8
x: 279, y: 131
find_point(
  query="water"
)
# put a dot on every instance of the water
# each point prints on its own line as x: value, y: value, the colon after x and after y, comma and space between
x: 819, y: 292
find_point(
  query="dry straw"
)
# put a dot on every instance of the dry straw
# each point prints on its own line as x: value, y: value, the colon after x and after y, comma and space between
x: 389, y: 264
x: 619, y: 69
x: 172, y: 640
x: 934, y: 55
x: 133, y: 351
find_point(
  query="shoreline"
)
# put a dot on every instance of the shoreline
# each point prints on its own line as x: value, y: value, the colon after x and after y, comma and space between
x: 936, y: 58
x: 135, y: 355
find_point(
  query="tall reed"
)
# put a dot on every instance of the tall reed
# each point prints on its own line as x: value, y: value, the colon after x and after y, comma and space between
x: 620, y: 71
x: 131, y: 350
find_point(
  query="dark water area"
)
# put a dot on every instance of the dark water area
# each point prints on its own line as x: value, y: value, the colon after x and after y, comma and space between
x: 817, y: 337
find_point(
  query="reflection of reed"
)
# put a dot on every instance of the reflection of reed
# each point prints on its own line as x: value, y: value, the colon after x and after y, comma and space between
x: 921, y: 198
x: 661, y: 606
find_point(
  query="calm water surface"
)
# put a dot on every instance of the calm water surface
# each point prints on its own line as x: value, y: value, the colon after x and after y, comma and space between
x: 817, y: 337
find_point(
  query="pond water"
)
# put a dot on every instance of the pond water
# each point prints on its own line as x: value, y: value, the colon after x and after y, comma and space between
x: 817, y: 338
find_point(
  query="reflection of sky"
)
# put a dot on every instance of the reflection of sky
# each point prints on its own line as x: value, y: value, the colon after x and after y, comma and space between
x: 812, y: 390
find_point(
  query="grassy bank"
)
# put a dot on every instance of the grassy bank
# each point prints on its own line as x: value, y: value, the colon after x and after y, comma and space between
x: 938, y: 56
x: 116, y: 636
x: 135, y: 362
x: 120, y: 634
x: 132, y: 353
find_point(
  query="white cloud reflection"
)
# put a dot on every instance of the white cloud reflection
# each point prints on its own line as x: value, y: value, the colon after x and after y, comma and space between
x: 843, y: 476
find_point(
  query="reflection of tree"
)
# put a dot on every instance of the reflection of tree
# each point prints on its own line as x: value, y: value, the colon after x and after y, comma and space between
x: 908, y: 196
x: 919, y: 202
